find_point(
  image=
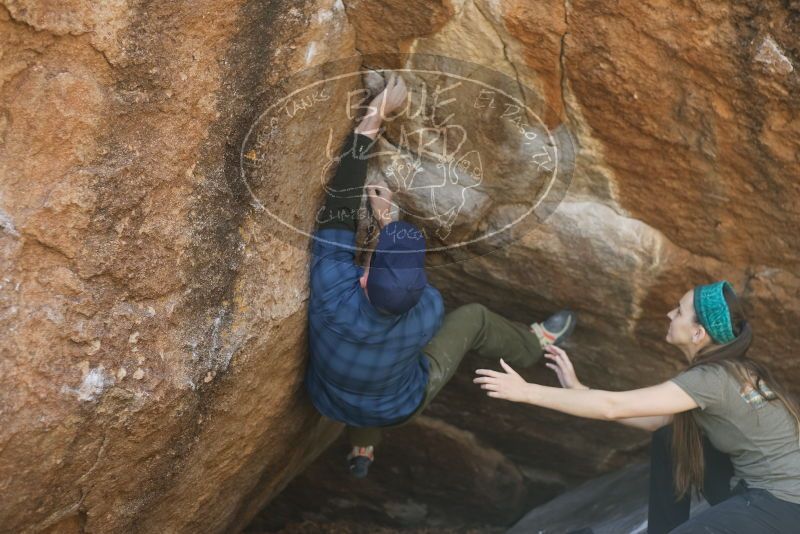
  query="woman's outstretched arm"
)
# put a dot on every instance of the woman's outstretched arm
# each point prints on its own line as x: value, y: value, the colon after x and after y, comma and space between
x: 664, y: 399
x: 562, y: 366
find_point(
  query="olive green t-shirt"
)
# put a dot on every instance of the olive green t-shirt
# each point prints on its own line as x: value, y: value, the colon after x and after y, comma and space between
x: 759, y: 435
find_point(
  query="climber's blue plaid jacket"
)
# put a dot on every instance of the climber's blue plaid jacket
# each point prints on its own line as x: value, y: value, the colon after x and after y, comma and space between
x: 365, y: 368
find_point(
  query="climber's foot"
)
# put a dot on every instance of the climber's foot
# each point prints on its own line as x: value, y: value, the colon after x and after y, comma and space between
x: 359, y: 460
x: 555, y: 329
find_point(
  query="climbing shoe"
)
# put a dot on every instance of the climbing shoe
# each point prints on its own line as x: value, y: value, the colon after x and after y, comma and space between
x: 359, y: 461
x: 555, y: 329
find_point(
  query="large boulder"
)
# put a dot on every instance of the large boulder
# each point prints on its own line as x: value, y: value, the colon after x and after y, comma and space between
x: 153, y: 331
x: 685, y: 122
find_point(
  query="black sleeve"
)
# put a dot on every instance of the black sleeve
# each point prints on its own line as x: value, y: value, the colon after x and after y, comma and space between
x: 344, y: 191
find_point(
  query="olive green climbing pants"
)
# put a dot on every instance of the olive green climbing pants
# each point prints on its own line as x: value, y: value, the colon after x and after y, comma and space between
x: 468, y: 327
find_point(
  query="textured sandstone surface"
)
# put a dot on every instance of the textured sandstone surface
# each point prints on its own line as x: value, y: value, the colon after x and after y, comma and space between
x: 153, y: 336
x: 153, y: 319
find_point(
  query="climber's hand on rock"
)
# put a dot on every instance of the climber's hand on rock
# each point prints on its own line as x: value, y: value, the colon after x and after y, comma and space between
x: 392, y: 97
x: 380, y: 199
x: 561, y: 364
x: 506, y: 385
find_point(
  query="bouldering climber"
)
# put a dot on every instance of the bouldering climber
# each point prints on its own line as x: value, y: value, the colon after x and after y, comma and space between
x: 380, y: 345
x: 725, y: 416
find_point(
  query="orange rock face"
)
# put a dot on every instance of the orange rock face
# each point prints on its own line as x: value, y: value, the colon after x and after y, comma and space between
x: 152, y: 349
x: 153, y: 317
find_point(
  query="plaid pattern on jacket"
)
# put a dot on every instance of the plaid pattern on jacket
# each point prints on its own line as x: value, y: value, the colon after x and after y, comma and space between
x: 365, y: 368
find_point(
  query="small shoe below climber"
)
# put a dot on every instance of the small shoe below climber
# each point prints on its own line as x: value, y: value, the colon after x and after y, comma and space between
x: 359, y: 459
x: 380, y: 345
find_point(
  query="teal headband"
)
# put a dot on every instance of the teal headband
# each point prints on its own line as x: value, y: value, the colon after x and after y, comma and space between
x: 712, y: 311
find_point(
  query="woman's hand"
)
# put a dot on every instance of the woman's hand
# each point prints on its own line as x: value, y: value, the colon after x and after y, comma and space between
x: 508, y: 385
x: 560, y: 363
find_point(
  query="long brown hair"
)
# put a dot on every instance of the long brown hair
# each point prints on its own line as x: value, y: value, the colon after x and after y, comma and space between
x: 687, y: 444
